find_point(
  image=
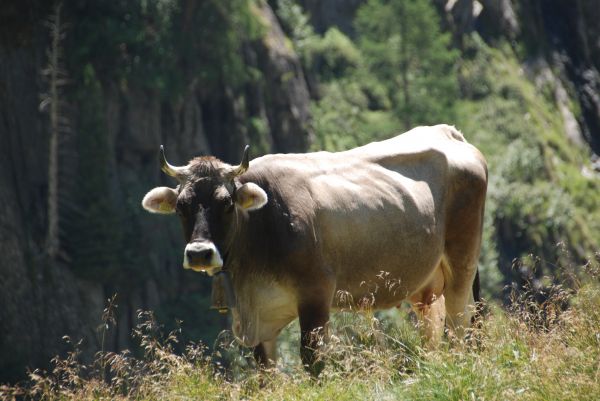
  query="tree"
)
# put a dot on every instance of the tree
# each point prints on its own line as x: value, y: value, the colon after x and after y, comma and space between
x: 56, y: 77
x: 406, y: 50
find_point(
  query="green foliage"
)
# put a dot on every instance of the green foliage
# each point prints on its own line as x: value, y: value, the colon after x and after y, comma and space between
x: 332, y: 56
x: 328, y: 57
x: 123, y: 41
x: 258, y: 130
x: 523, y: 162
x: 296, y: 24
x: 94, y: 238
x: 490, y: 279
x: 354, y: 106
x: 405, y: 49
x: 337, y: 116
x: 223, y: 27
x: 539, y: 214
x: 537, y: 196
x: 160, y: 45
x: 402, y: 74
x: 342, y: 119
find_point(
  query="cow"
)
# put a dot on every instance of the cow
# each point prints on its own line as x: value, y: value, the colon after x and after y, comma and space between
x: 293, y: 230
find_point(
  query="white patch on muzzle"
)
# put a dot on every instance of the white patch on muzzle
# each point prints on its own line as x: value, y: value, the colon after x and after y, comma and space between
x: 212, y: 266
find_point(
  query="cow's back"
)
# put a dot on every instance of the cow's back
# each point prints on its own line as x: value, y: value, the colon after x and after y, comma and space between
x: 375, y: 214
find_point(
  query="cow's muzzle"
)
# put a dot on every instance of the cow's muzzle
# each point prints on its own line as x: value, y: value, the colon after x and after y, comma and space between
x: 202, y: 256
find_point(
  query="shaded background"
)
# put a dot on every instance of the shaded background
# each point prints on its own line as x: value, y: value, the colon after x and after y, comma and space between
x: 108, y: 81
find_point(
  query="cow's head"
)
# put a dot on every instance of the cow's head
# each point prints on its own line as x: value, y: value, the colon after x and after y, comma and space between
x: 208, y: 200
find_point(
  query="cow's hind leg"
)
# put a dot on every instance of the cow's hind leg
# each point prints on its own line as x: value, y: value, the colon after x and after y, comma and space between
x: 460, y: 304
x: 431, y: 320
x: 461, y: 249
x: 429, y: 306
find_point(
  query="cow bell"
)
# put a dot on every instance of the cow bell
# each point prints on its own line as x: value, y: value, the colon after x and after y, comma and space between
x: 222, y: 295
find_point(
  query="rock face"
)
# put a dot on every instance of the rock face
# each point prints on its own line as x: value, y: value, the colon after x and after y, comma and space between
x: 287, y: 107
x: 500, y: 15
x: 326, y: 13
x: 43, y: 299
x: 563, y: 34
x: 571, y: 32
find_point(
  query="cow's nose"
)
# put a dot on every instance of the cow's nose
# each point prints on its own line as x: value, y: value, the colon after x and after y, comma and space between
x: 199, y: 256
x: 202, y: 256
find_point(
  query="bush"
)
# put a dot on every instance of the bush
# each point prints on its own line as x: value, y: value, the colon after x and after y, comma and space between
x: 342, y: 120
x: 332, y: 56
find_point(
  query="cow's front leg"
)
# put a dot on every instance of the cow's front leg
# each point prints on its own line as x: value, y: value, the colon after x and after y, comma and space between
x: 313, y: 325
x: 265, y: 353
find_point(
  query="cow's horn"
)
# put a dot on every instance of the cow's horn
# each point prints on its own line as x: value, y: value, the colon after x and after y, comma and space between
x: 241, y: 169
x: 177, y: 172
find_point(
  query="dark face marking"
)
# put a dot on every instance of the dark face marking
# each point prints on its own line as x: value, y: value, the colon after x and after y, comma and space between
x: 205, y: 207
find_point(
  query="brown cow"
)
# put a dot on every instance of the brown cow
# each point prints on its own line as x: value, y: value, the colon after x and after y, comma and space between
x: 294, y: 229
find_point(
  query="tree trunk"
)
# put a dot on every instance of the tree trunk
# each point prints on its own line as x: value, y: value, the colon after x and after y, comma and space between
x: 55, y: 80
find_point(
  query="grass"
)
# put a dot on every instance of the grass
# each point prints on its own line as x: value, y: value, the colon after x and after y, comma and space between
x: 528, y: 351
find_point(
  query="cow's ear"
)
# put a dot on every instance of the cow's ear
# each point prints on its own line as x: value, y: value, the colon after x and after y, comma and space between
x: 160, y: 200
x: 250, y: 197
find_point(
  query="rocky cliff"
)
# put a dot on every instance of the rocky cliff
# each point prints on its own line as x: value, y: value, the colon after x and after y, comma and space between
x: 562, y: 35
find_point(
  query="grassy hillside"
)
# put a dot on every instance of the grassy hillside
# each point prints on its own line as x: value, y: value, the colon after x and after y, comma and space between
x: 529, y: 352
x: 539, y: 208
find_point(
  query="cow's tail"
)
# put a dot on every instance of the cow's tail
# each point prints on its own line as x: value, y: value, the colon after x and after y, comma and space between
x: 476, y: 318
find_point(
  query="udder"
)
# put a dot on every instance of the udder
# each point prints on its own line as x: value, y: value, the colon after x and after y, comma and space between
x: 432, y: 290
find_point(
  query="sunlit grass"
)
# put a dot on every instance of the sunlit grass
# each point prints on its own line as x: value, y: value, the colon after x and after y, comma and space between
x: 531, y: 351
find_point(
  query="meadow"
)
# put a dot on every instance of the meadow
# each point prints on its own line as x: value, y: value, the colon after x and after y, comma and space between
x: 529, y: 350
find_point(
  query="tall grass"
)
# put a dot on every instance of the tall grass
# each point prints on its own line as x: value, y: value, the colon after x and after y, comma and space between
x: 533, y: 350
